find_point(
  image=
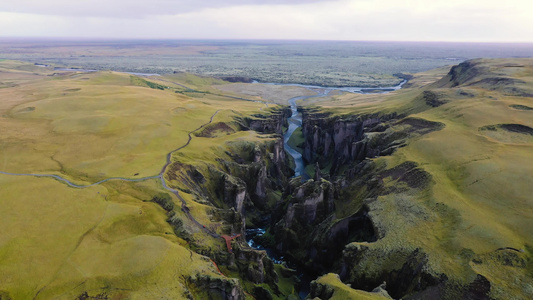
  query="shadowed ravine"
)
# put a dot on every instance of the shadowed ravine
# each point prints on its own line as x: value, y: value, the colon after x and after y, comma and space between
x: 295, y: 122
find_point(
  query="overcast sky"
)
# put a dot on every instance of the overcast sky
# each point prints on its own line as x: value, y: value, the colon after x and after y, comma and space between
x: 385, y: 20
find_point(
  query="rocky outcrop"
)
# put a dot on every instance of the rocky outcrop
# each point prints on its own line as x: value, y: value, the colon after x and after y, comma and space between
x: 432, y: 98
x: 331, y: 140
x: 461, y: 74
x: 217, y: 287
x: 309, y: 231
x: 339, y: 143
x: 325, y: 137
x: 321, y: 291
x: 234, y: 192
x: 311, y: 203
x: 268, y: 123
x: 262, y: 181
x: 329, y: 286
x: 405, y: 271
x: 407, y: 275
x: 303, y: 211
x: 260, y: 169
x: 256, y: 265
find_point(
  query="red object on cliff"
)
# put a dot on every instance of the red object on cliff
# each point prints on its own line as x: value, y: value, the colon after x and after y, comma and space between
x: 228, y: 241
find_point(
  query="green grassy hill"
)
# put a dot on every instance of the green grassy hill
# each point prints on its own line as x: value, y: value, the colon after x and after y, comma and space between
x: 457, y: 201
x: 110, y: 240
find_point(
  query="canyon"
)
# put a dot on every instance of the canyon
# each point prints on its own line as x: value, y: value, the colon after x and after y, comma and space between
x: 340, y: 221
x: 397, y: 195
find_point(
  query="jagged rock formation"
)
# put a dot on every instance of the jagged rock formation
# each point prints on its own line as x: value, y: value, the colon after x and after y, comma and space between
x: 270, y: 123
x: 309, y: 205
x: 339, y: 142
x: 318, y: 175
x: 369, y: 212
x: 214, y: 287
x: 241, y: 185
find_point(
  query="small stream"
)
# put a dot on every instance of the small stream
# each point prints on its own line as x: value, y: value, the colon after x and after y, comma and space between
x: 304, y: 277
x: 251, y: 234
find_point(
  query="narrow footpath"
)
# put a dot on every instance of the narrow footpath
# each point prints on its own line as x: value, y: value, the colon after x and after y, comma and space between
x: 184, y: 206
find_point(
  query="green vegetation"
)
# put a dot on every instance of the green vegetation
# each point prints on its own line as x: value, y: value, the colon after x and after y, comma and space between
x: 296, y: 140
x: 164, y: 200
x: 479, y: 168
x: 143, y: 82
x: 330, y: 285
x: 105, y: 239
x: 447, y: 206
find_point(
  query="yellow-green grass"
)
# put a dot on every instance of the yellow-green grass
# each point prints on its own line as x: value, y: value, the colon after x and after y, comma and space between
x: 343, y: 291
x: 58, y: 241
x: 480, y: 196
x: 193, y: 81
x: 267, y: 92
x: 485, y: 183
x: 96, y: 125
x: 400, y: 101
x: 286, y: 284
x: 487, y: 180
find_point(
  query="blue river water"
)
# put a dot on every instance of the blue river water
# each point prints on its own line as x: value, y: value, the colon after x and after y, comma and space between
x: 295, y: 122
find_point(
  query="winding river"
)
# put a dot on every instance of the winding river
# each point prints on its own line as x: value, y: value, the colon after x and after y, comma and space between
x: 295, y: 122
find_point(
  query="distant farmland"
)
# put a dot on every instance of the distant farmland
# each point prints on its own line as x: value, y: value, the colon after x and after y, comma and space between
x: 306, y: 62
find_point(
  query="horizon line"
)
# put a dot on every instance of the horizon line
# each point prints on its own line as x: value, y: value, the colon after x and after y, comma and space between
x: 57, y: 38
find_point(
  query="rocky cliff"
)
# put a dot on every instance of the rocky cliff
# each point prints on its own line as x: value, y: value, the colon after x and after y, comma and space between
x: 335, y: 141
x: 241, y: 184
x: 217, y: 288
x: 316, y: 219
x: 272, y: 122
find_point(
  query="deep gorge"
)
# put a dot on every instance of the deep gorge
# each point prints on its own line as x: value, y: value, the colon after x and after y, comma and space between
x: 326, y: 224
x: 302, y: 221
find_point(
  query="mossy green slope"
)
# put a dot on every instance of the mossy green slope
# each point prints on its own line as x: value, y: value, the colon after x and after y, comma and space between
x: 474, y: 217
x: 331, y: 287
x: 110, y: 239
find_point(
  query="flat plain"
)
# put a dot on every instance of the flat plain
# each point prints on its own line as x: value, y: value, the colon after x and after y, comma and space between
x: 323, y: 63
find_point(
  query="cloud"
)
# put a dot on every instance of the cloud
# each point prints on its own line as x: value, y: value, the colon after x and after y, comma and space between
x: 130, y: 8
x: 411, y: 20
